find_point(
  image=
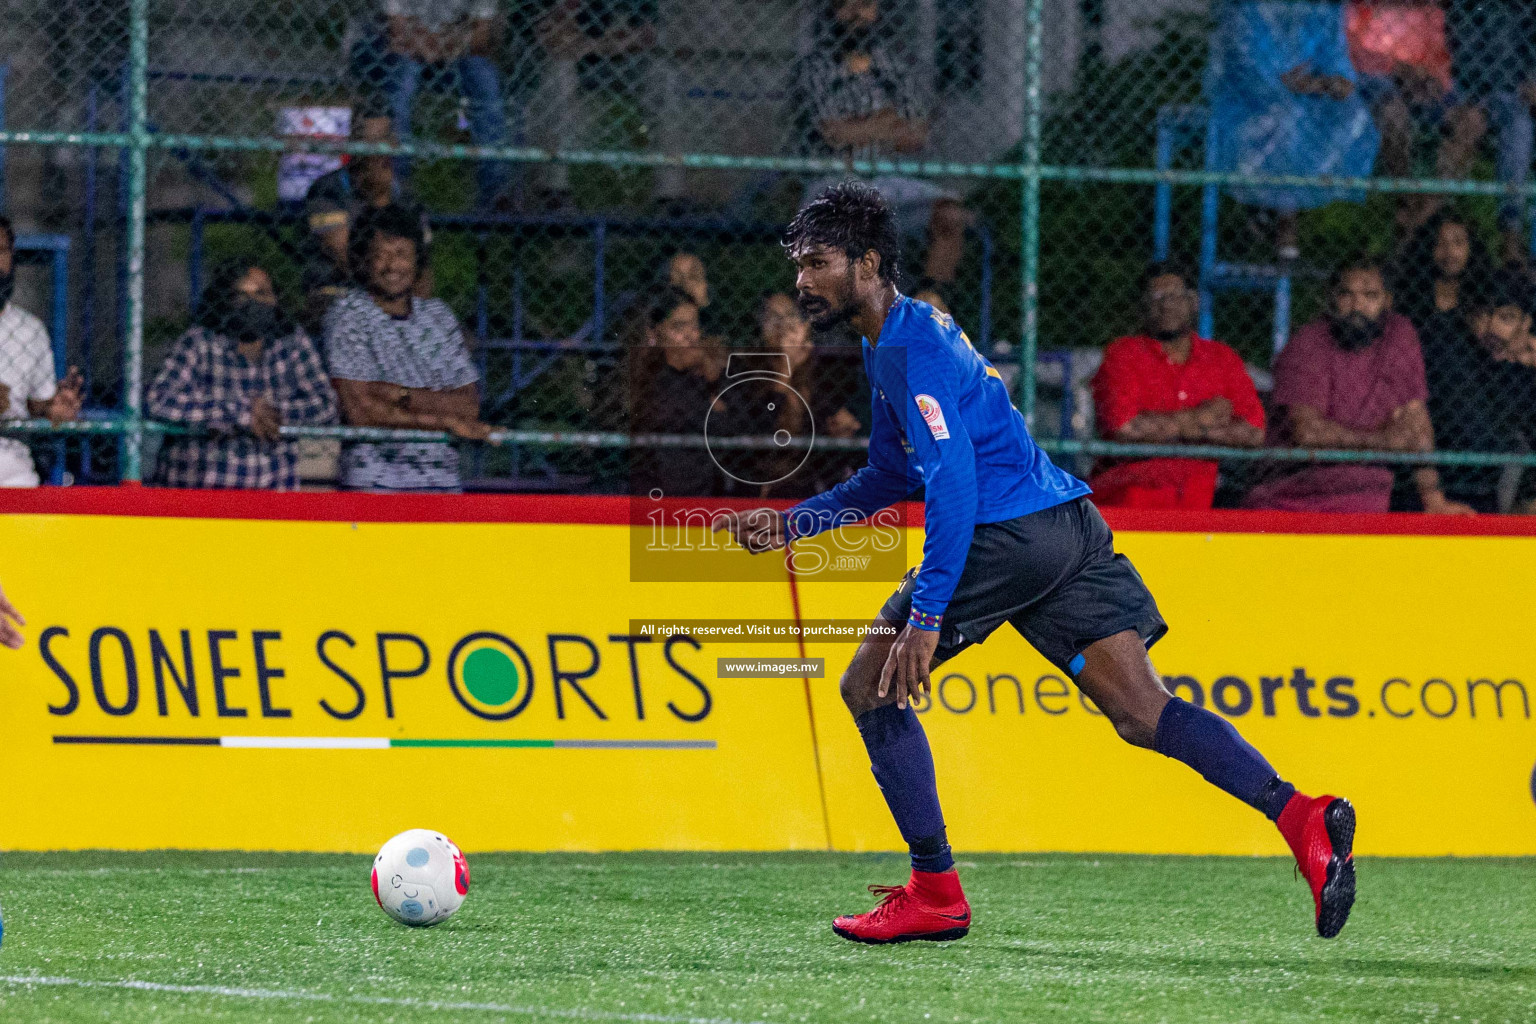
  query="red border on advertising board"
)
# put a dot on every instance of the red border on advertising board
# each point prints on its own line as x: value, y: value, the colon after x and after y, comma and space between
x: 616, y: 510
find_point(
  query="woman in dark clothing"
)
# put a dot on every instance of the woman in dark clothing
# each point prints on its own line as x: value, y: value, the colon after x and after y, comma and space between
x: 671, y: 393
x: 1441, y: 256
x: 809, y: 404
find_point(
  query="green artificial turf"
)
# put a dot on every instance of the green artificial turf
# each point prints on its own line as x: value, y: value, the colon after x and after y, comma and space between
x: 744, y: 937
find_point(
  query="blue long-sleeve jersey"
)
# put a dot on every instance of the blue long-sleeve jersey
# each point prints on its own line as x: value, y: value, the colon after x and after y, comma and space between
x: 941, y: 419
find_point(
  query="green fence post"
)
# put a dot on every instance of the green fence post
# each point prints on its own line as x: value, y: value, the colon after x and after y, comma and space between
x: 1031, y: 212
x: 138, y: 152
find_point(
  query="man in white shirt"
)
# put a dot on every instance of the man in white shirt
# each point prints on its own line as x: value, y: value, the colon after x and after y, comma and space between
x: 28, y: 387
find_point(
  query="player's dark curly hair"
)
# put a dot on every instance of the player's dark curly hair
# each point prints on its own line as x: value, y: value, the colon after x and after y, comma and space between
x: 853, y: 217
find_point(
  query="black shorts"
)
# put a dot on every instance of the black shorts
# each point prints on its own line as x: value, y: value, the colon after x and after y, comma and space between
x: 1054, y: 576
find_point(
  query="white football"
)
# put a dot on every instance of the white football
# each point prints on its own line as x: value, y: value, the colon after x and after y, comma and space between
x: 420, y: 878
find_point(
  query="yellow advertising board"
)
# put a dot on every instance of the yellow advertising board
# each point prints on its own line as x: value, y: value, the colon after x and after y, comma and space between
x: 1396, y: 670
x: 207, y: 683
x: 218, y: 681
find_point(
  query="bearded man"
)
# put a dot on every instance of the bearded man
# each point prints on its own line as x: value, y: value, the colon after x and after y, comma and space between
x: 1354, y: 378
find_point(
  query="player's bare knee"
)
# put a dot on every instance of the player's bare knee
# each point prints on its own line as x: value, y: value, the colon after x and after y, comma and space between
x: 1135, y: 729
x: 850, y: 690
x: 858, y: 686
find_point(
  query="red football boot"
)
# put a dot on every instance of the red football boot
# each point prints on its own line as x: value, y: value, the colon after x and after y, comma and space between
x: 1321, y: 833
x: 931, y: 906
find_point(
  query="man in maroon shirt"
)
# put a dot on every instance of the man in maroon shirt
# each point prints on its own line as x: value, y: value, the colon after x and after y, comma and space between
x: 1168, y: 386
x: 1353, y: 378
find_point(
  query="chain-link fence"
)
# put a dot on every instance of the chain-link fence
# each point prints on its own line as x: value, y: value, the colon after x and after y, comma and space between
x: 584, y: 200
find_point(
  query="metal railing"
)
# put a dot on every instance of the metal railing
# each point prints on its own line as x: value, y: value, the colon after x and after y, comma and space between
x: 1028, y: 168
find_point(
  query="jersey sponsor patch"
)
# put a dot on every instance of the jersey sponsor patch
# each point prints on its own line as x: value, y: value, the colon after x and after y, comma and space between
x: 933, y: 416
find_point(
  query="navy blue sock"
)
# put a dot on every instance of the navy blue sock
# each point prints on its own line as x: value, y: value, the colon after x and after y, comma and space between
x: 903, y: 766
x: 1209, y: 745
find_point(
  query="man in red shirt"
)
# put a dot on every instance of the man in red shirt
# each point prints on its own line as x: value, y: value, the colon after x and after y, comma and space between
x: 1167, y: 386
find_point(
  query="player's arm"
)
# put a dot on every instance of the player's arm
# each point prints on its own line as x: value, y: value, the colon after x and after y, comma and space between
x: 885, y: 480
x: 948, y: 458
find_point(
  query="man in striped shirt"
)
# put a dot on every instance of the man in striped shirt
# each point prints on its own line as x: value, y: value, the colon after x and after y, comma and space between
x: 857, y: 99
x: 400, y: 362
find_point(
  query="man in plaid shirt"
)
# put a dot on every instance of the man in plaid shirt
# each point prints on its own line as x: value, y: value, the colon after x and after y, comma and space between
x: 241, y: 373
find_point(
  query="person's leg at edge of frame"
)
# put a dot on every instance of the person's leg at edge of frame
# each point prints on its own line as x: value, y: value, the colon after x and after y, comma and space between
x: 402, y: 78
x: 932, y: 904
x: 1117, y: 675
x: 481, y: 83
x: 1516, y: 130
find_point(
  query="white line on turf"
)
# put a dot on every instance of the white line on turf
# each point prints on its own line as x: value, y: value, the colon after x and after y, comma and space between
x: 404, y: 1003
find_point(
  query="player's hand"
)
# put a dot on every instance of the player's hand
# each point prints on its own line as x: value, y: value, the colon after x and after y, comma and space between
x: 758, y: 530
x: 906, y: 667
x: 10, y: 621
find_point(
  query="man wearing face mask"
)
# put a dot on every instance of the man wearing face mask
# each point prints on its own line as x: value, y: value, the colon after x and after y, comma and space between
x: 1169, y: 386
x: 1353, y: 378
x: 28, y: 387
x: 1481, y: 397
x: 241, y: 373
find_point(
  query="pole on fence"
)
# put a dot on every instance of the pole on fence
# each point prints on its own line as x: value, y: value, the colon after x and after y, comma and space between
x: 138, y: 151
x: 1029, y: 343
